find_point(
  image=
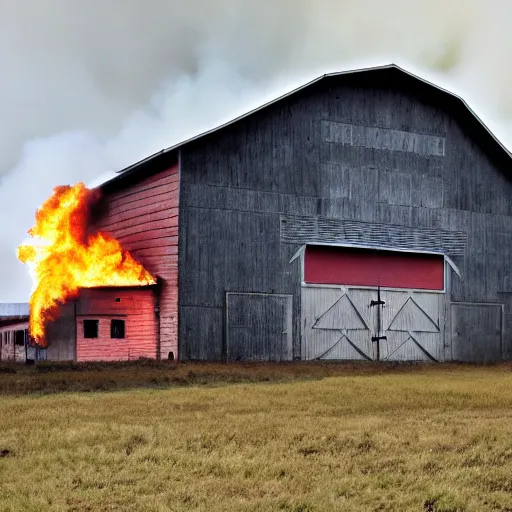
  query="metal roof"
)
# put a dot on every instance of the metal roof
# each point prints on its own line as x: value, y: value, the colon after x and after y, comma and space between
x: 390, y: 67
x: 13, y: 310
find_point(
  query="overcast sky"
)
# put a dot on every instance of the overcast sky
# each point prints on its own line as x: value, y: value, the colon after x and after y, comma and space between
x: 90, y: 87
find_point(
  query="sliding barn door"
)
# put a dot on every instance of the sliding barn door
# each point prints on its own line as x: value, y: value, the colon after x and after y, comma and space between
x: 372, y: 305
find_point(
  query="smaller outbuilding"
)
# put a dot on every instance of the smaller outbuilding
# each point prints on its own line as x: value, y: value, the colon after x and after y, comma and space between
x: 107, y: 324
x: 14, y: 339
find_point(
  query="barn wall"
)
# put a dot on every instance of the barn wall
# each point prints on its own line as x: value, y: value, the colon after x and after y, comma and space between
x: 136, y: 307
x: 144, y: 218
x: 339, y: 164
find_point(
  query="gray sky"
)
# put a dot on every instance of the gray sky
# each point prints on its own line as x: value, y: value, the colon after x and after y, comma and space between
x: 90, y: 87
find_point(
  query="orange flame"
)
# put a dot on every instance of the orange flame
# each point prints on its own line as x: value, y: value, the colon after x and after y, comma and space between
x: 68, y: 258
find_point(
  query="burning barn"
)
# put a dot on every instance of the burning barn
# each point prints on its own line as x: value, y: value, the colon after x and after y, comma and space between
x: 365, y: 215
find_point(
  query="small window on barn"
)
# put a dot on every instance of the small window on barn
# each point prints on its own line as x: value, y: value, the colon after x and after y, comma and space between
x: 90, y: 328
x: 117, y: 329
x: 19, y: 338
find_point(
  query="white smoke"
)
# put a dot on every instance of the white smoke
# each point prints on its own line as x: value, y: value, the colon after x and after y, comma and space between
x: 90, y: 87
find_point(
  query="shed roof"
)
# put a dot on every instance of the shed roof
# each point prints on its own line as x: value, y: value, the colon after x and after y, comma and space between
x: 13, y: 310
x: 388, y: 75
x: 8, y: 322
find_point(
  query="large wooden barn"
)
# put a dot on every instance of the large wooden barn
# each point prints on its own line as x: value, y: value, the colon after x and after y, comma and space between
x: 366, y: 215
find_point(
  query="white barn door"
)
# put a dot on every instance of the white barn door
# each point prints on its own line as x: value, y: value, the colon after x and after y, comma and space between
x: 348, y: 321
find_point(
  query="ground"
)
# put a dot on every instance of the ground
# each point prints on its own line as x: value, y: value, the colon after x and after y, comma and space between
x: 256, y: 438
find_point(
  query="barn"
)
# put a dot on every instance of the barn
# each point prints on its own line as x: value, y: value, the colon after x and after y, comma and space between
x: 364, y: 216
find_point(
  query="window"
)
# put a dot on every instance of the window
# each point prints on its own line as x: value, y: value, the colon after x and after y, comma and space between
x: 117, y: 329
x: 19, y: 338
x: 90, y: 328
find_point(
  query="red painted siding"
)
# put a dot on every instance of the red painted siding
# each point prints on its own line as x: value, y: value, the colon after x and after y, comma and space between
x: 136, y: 307
x: 363, y: 267
x: 144, y: 218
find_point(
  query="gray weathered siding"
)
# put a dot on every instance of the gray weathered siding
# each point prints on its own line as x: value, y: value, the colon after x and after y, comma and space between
x: 62, y: 335
x: 338, y: 163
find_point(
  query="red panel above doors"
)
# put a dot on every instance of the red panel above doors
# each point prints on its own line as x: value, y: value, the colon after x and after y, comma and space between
x: 366, y: 267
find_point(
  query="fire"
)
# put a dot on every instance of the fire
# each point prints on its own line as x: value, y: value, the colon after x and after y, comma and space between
x: 66, y: 257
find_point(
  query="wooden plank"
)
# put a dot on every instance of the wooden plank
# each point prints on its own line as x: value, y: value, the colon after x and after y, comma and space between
x: 143, y: 216
x: 171, y: 189
x: 167, y: 223
x: 169, y: 233
x: 147, y: 209
x: 167, y: 174
x: 163, y: 198
x: 169, y: 183
x: 169, y: 264
x: 138, y: 224
x: 156, y: 251
x: 149, y: 243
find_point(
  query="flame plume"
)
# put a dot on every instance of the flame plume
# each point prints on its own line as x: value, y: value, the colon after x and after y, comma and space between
x: 67, y: 258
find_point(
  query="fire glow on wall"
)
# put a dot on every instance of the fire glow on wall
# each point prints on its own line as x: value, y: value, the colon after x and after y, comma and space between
x: 66, y: 257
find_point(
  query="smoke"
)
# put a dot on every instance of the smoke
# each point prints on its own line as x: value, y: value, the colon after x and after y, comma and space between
x: 90, y: 87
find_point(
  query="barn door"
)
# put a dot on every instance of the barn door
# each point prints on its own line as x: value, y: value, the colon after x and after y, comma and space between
x: 337, y: 323
x: 371, y: 324
x: 347, y: 315
x: 411, y: 326
x: 259, y: 327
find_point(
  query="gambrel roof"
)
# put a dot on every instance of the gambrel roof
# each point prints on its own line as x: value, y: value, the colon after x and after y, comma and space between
x: 389, y: 76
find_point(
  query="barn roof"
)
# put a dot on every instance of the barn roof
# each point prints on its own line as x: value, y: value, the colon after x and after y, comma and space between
x: 18, y: 309
x: 388, y: 75
x: 12, y: 313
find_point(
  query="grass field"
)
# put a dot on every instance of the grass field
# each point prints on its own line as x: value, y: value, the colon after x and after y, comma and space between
x: 256, y: 438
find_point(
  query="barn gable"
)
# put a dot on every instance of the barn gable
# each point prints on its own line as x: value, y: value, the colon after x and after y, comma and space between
x: 390, y: 76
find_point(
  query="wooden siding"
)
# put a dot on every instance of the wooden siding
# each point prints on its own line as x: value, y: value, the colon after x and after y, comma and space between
x: 61, y: 335
x: 259, y: 327
x: 9, y: 351
x: 136, y: 307
x: 483, y: 341
x: 412, y: 176
x: 326, y: 230
x: 144, y: 218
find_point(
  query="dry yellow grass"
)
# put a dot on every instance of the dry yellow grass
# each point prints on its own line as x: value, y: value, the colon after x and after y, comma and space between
x: 433, y: 438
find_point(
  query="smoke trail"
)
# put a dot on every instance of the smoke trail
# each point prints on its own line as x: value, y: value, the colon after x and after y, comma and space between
x: 90, y: 87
